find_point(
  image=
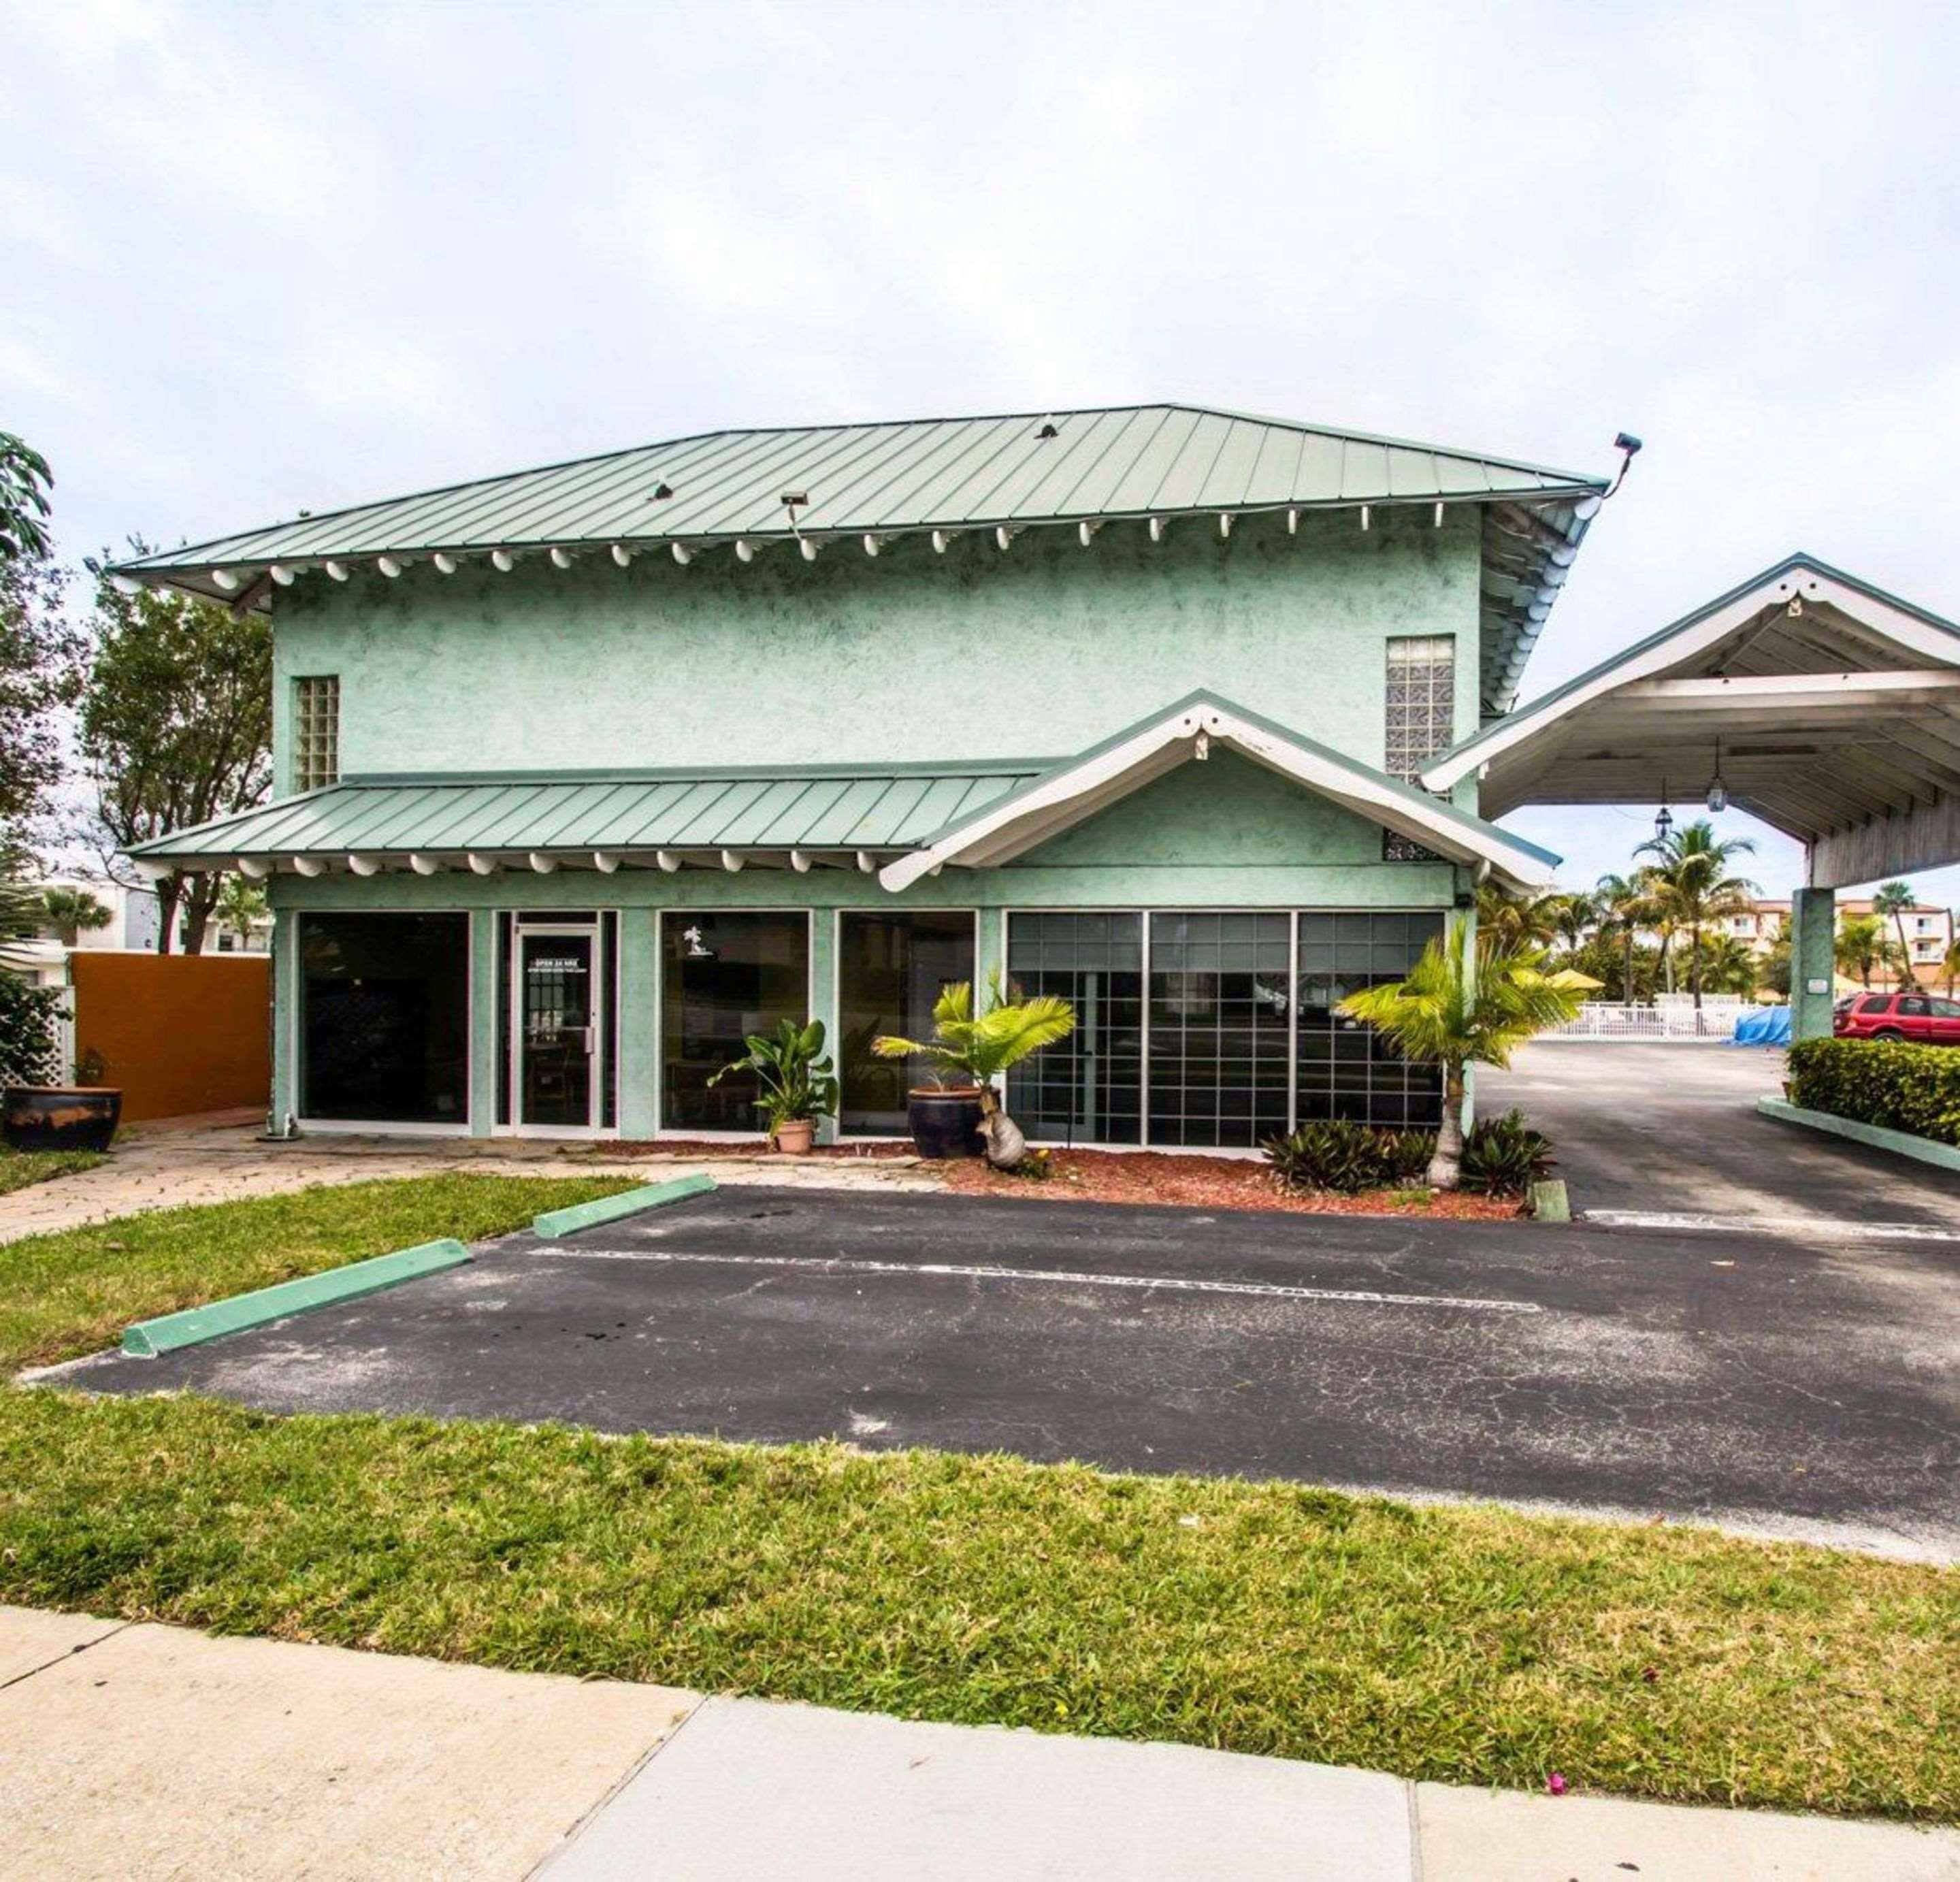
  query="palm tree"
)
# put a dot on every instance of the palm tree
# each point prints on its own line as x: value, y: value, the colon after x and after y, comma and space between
x: 1623, y: 903
x: 1576, y: 916
x: 1950, y: 964
x: 1464, y: 1005
x: 982, y: 1048
x: 1859, y: 947
x: 24, y: 478
x: 71, y: 910
x: 1729, y: 966
x: 1510, y: 922
x: 1690, y: 886
x: 1892, y: 900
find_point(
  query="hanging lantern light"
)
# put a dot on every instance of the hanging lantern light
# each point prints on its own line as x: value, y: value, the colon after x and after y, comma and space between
x: 1663, y: 817
x: 1718, y: 791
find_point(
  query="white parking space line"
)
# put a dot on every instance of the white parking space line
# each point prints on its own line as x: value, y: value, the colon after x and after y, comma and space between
x: 1818, y: 1228
x: 1267, y: 1290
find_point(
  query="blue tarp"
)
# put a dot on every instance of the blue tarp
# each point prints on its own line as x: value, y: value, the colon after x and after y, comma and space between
x: 1766, y: 1025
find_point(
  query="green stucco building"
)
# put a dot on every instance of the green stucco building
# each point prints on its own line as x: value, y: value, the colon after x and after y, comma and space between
x: 584, y: 771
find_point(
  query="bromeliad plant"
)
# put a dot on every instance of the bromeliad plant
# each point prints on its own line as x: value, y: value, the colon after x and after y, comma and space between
x: 982, y: 1048
x: 797, y: 1082
x: 1464, y: 1005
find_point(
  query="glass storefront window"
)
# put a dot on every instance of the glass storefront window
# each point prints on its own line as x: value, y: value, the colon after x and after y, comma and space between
x: 1346, y: 1070
x: 890, y: 971
x: 723, y: 976
x: 1088, y: 1087
x: 1219, y: 1009
x: 384, y: 1018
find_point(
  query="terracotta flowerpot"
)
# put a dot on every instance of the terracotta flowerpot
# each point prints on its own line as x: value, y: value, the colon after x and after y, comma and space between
x: 795, y: 1138
x: 945, y: 1122
x: 61, y: 1116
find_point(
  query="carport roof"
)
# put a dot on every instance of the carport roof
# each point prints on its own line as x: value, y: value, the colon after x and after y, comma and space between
x: 1827, y: 707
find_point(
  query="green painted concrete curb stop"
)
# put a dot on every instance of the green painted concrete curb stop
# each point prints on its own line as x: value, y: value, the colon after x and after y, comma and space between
x: 609, y: 1208
x: 1902, y: 1143
x: 147, y: 1339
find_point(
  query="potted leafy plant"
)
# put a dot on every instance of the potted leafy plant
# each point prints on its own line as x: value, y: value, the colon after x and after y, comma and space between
x: 966, y: 1120
x: 796, y: 1084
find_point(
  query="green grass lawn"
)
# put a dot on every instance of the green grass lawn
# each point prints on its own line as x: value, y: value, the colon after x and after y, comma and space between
x: 74, y: 1291
x: 20, y: 1168
x: 1469, y: 1646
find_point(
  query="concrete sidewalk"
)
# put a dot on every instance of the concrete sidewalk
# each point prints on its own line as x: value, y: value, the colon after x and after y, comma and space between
x: 143, y: 1751
x: 156, y: 1166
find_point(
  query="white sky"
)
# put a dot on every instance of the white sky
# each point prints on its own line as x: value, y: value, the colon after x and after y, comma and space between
x: 253, y: 259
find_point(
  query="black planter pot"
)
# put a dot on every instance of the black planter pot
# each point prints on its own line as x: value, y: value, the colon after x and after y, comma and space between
x: 946, y: 1123
x: 60, y: 1116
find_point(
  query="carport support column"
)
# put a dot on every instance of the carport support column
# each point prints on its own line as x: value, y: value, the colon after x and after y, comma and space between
x: 1813, y: 959
x: 823, y: 998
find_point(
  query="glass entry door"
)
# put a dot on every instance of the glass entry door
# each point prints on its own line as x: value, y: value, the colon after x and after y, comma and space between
x: 557, y: 1044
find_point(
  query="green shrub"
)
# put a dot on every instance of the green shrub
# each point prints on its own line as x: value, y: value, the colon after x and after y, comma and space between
x: 1504, y: 1156
x: 30, y: 1047
x: 1336, y: 1154
x: 1890, y: 1083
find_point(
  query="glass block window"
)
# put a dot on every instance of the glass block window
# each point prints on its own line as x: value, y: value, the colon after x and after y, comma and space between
x: 1345, y: 1069
x: 316, y: 731
x: 1218, y: 1002
x: 1089, y: 1087
x: 1421, y: 719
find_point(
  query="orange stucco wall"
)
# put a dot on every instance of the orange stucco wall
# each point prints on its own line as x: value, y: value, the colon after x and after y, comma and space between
x: 177, y: 1033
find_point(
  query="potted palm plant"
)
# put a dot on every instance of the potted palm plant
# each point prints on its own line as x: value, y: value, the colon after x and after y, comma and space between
x: 1463, y: 1005
x: 796, y: 1084
x: 965, y: 1118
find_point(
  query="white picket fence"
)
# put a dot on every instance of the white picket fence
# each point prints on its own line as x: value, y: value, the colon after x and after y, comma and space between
x: 1672, y: 1016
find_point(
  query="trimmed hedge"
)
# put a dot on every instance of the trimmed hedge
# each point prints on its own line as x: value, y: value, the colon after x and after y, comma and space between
x: 1883, y: 1082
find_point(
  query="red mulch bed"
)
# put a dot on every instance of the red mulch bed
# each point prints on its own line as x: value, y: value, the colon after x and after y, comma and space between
x: 1205, y: 1182
x: 693, y: 1147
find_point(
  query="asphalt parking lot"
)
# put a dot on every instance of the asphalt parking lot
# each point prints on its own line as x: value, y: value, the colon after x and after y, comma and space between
x: 1802, y: 1386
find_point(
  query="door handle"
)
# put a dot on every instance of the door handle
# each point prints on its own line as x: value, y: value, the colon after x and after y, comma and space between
x: 590, y: 1040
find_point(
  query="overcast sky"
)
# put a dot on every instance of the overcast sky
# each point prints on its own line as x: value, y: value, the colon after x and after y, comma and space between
x: 255, y: 260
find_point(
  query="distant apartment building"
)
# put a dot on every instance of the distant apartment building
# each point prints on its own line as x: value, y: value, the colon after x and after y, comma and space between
x: 1929, y: 932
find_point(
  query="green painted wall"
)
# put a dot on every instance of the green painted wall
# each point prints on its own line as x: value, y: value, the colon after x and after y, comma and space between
x: 1037, y: 652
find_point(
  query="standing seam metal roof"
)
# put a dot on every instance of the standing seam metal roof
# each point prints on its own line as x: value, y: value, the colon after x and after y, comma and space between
x: 871, y: 810
x: 1013, y: 471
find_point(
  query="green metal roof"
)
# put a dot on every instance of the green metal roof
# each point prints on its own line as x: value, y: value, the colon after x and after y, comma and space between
x: 1020, y: 470
x: 872, y: 808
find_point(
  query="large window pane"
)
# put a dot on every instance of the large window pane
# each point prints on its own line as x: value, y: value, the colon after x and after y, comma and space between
x: 1218, y: 1014
x: 1347, y: 1070
x: 890, y: 970
x: 723, y: 977
x: 384, y: 1018
x: 1088, y: 1088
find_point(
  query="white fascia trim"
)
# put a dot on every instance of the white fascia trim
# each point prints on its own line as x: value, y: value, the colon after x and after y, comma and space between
x: 1893, y: 623
x: 1012, y: 829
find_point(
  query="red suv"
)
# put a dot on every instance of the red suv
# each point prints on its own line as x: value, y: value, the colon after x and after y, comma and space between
x: 1916, y: 1016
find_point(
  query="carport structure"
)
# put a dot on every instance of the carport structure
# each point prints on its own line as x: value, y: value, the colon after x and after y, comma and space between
x: 1822, y: 705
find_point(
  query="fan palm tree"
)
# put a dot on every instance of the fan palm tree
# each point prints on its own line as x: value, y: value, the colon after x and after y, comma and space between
x: 1690, y: 886
x: 1462, y: 1006
x: 1891, y: 903
x: 70, y: 911
x: 982, y: 1048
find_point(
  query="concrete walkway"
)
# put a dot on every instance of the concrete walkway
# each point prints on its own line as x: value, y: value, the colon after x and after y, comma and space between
x: 144, y: 1751
x: 155, y: 1168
